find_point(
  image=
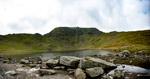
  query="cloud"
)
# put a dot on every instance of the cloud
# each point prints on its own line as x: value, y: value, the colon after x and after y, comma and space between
x: 31, y: 16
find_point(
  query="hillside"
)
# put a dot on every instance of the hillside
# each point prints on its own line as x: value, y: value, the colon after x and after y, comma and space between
x: 65, y: 38
x: 133, y: 41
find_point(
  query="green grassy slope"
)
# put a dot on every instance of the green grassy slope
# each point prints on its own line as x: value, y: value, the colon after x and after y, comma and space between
x: 65, y: 38
x: 133, y: 41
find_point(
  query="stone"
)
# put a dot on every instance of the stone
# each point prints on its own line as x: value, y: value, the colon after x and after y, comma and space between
x: 90, y: 62
x: 120, y: 55
x: 43, y: 66
x: 11, y: 73
x: 79, y: 74
x: 24, y: 61
x: 118, y: 74
x: 94, y: 72
x: 32, y: 65
x: 139, y: 52
x: 71, y: 71
x: 43, y: 72
x: 1, y: 59
x: 69, y: 61
x: 126, y: 52
x: 39, y: 60
x: 52, y: 62
x: 5, y: 61
x: 59, y: 67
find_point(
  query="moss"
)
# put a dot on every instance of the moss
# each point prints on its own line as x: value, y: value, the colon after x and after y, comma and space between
x: 88, y: 59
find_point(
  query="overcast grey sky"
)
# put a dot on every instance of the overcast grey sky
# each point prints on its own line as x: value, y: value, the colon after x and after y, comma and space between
x: 41, y: 16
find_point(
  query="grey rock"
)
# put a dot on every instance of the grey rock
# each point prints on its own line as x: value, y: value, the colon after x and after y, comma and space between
x: 79, y: 74
x: 11, y: 73
x: 118, y: 74
x: 43, y: 65
x: 1, y: 77
x: 140, y: 52
x: 32, y: 65
x: 46, y: 72
x: 71, y: 71
x: 120, y: 55
x: 125, y: 52
x: 94, y: 72
x: 39, y: 60
x: 69, y: 61
x: 89, y: 62
x: 59, y: 68
x: 24, y: 61
x: 52, y: 62
x: 5, y: 61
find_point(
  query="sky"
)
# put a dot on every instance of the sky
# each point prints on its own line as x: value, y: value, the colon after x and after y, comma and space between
x: 41, y: 16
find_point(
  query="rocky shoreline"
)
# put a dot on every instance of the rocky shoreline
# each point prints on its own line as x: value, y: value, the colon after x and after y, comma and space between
x: 70, y: 67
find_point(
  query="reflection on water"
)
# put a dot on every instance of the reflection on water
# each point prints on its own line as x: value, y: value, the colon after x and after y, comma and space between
x: 132, y: 72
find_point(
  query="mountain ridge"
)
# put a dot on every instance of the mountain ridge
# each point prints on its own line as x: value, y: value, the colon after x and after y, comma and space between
x: 66, y: 38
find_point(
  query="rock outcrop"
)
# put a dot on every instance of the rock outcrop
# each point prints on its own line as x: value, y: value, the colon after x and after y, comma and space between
x: 70, y: 61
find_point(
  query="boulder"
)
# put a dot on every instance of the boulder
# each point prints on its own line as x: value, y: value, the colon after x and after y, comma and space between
x: 43, y: 66
x: 90, y: 62
x: 23, y: 61
x: 120, y: 55
x: 69, y: 61
x: 52, y: 63
x: 46, y: 72
x: 94, y: 72
x: 11, y: 73
x: 39, y: 60
x: 140, y: 52
x: 125, y: 52
x: 79, y: 74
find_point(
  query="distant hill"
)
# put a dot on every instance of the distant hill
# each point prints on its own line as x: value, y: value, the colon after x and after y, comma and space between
x: 75, y: 38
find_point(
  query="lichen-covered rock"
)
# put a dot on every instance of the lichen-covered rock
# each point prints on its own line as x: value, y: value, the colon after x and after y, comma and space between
x: 69, y: 61
x: 79, y: 74
x: 90, y: 62
x: 94, y: 72
x: 52, y: 62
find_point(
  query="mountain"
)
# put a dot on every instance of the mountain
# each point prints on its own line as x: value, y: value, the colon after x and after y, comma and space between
x: 76, y: 38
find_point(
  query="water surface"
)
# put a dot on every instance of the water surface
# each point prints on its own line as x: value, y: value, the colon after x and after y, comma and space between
x: 56, y: 54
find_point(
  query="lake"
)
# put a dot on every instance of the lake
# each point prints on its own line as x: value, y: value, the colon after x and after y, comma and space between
x: 57, y: 54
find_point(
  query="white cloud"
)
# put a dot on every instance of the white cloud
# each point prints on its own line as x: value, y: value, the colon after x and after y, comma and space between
x: 31, y: 16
